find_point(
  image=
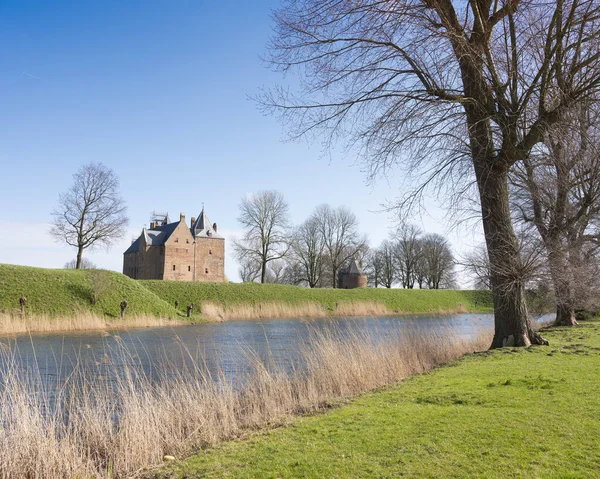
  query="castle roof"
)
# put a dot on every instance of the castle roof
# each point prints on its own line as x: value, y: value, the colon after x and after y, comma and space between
x: 355, y: 268
x: 134, y: 248
x: 203, y: 227
x: 160, y: 234
x: 154, y: 237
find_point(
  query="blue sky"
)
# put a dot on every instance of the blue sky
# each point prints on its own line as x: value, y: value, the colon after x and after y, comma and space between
x: 158, y: 91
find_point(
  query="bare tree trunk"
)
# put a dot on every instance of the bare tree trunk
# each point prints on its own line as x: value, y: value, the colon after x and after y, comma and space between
x: 565, y: 315
x: 79, y: 256
x: 560, y: 271
x: 263, y: 272
x: 512, y: 327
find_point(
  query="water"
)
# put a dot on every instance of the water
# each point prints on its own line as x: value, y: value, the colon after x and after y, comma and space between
x: 223, y: 349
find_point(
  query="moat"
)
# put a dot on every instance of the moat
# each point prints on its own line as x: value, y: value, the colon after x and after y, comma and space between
x: 222, y: 349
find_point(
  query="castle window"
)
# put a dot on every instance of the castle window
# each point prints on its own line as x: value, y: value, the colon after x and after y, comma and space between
x: 210, y: 251
x: 206, y: 270
x: 187, y: 241
x: 173, y: 267
x: 189, y: 268
x: 176, y: 240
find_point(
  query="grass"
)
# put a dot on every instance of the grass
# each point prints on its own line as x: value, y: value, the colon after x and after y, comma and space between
x: 509, y: 413
x: 54, y: 294
x: 62, y: 292
x: 187, y: 409
x: 224, y: 297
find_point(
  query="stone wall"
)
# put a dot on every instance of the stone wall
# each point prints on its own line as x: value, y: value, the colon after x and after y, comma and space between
x: 179, y: 254
x: 210, y: 259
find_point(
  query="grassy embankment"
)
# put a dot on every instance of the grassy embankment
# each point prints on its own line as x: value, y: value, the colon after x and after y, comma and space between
x: 59, y: 299
x: 251, y: 300
x: 510, y: 413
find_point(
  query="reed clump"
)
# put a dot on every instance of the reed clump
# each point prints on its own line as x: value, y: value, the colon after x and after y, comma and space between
x: 280, y: 309
x: 90, y: 428
x: 84, y: 320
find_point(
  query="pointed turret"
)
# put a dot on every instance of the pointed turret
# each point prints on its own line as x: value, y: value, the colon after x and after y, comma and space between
x: 203, y: 227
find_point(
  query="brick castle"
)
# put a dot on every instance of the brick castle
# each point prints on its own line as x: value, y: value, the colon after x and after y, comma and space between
x: 176, y: 251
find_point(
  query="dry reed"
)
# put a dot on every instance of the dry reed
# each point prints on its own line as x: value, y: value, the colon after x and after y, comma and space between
x: 273, y: 310
x: 276, y: 310
x: 88, y: 429
x: 17, y: 323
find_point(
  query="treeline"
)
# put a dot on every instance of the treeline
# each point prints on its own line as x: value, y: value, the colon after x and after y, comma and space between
x: 313, y: 253
x: 412, y: 259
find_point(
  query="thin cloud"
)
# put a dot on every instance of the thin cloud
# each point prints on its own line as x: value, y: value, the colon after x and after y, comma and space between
x: 32, y: 76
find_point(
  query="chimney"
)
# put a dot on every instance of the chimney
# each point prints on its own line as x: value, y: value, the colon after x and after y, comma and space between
x: 215, y: 227
x: 182, y: 217
x: 192, y: 222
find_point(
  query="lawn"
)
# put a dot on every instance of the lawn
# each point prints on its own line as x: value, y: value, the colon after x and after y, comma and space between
x: 518, y: 413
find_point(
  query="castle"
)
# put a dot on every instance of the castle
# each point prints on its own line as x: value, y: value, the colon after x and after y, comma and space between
x: 352, y: 277
x: 174, y: 251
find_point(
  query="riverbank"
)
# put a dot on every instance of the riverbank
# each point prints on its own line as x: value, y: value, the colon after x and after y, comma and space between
x: 509, y: 413
x: 223, y: 301
x: 59, y: 299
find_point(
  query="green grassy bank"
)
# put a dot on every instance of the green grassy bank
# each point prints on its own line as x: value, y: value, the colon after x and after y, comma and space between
x: 64, y: 292
x: 67, y: 292
x: 510, y: 413
x: 394, y: 300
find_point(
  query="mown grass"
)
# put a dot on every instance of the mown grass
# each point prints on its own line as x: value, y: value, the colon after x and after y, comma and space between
x: 230, y: 295
x: 70, y: 292
x: 510, y: 413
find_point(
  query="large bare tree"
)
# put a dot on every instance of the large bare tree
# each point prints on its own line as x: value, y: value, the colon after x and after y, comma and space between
x: 407, y: 253
x: 308, y: 251
x: 389, y: 272
x: 374, y: 267
x: 341, y: 239
x: 264, y: 217
x: 429, y: 83
x: 437, y: 261
x: 557, y: 189
x: 91, y: 213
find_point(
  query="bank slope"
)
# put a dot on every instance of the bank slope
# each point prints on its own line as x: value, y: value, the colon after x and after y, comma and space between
x: 258, y: 297
x: 68, y: 292
x: 510, y: 413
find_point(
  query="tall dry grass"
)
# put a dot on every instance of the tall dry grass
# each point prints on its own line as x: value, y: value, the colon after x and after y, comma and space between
x: 274, y: 309
x: 90, y: 428
x: 17, y: 323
